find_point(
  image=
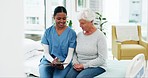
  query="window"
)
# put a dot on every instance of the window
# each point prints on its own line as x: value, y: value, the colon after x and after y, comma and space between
x: 38, y: 16
x: 34, y: 18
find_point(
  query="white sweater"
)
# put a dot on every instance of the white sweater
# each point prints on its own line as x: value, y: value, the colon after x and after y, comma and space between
x: 91, y: 50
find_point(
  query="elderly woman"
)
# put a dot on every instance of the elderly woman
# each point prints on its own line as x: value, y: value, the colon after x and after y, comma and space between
x: 91, y: 51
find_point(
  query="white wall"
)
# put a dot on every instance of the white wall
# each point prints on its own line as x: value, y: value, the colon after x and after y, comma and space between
x: 11, y: 36
x: 72, y: 14
x: 123, y: 11
x: 111, y: 11
x: 146, y: 4
x: 48, y: 13
x: 145, y: 18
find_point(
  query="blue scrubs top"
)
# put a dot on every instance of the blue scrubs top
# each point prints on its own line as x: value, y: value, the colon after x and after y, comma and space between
x: 59, y: 45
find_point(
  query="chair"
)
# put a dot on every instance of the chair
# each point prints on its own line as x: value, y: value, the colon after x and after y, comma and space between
x: 128, y: 47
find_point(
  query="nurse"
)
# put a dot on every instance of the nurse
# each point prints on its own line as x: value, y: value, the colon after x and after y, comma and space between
x: 59, y: 42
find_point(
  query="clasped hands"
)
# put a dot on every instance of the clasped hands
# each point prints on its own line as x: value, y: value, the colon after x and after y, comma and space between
x: 78, y: 67
x: 56, y: 63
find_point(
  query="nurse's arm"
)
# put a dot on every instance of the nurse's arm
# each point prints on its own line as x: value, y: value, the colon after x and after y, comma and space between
x: 69, y: 57
x: 46, y: 53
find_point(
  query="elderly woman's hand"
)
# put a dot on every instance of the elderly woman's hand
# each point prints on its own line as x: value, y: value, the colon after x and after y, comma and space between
x: 78, y: 67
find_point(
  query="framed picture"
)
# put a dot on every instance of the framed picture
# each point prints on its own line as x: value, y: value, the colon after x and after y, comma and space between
x: 80, y: 4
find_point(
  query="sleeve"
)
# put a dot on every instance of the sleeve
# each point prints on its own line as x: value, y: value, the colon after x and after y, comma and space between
x: 102, y: 53
x: 44, y: 38
x: 75, y: 59
x: 72, y: 40
x: 46, y: 53
x: 69, y: 56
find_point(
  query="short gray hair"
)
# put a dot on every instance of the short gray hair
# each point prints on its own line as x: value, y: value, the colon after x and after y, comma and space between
x: 86, y: 14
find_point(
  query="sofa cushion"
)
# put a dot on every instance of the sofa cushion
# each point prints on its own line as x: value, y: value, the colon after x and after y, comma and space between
x: 125, y: 33
x: 132, y: 50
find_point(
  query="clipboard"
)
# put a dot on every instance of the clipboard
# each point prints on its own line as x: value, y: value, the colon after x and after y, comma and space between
x: 58, y: 63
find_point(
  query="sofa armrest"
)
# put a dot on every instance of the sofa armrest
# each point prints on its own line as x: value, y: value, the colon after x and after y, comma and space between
x: 116, y: 49
x: 144, y: 43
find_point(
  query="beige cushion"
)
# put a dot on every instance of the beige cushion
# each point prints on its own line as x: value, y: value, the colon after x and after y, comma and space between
x: 125, y: 33
x: 132, y: 49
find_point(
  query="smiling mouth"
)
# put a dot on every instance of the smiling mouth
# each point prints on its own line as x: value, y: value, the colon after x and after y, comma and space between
x: 61, y: 24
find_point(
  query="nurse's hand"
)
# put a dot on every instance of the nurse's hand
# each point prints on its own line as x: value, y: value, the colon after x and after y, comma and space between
x: 54, y: 62
x: 59, y: 66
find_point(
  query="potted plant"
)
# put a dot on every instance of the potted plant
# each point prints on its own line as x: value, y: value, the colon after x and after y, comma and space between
x: 69, y: 23
x: 100, y: 21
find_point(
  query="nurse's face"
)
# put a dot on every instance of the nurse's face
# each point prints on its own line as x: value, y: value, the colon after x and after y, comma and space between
x: 60, y: 19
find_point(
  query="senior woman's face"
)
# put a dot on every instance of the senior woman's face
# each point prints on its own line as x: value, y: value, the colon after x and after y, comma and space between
x: 85, y: 25
x: 60, y: 19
